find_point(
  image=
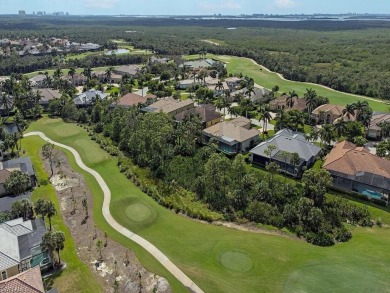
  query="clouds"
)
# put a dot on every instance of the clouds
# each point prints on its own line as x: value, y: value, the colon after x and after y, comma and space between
x: 221, y: 6
x: 285, y: 4
x: 102, y: 4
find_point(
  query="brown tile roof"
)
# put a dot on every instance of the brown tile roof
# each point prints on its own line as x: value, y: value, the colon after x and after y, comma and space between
x: 346, y: 158
x: 206, y: 112
x: 232, y: 131
x: 280, y: 102
x: 151, y: 96
x: 169, y: 105
x: 4, y: 175
x: 29, y: 281
x: 334, y: 109
x: 49, y: 94
x: 131, y: 99
x: 241, y: 121
x: 378, y: 118
x: 129, y: 69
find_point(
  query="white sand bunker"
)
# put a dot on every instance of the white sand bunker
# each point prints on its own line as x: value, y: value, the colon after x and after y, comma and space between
x: 61, y: 183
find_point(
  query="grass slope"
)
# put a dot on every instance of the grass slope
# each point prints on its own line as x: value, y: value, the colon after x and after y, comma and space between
x: 208, y: 253
x: 76, y: 277
x: 269, y: 79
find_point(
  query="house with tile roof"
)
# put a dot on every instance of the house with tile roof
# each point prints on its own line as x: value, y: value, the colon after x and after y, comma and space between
x: 22, y: 164
x: 47, y: 95
x: 170, y: 106
x: 87, y: 98
x: 286, y: 140
x: 281, y: 103
x: 356, y: 169
x: 130, y: 70
x: 132, y: 99
x: 20, y: 246
x: 375, y: 130
x: 206, y: 112
x: 231, y: 137
x: 76, y: 80
x: 38, y: 81
x: 327, y: 114
x: 29, y: 281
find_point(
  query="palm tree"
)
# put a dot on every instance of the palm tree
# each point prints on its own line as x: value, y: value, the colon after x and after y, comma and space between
x: 385, y: 128
x: 87, y: 72
x: 268, y: 151
x: 219, y: 86
x: 57, y: 73
x: 327, y: 133
x: 340, y: 126
x: 48, y: 243
x: 219, y: 103
x: 26, y: 208
x: 109, y: 74
x: 17, y: 209
x: 246, y: 104
x: 280, y: 118
x: 359, y: 108
x: 40, y: 208
x: 47, y: 79
x: 295, y: 161
x: 99, y: 248
x: 349, y: 110
x: 6, y: 100
x: 290, y: 99
x: 311, y: 100
x: 58, y: 239
x: 249, y: 91
x: 265, y: 115
x: 50, y: 211
x: 71, y: 73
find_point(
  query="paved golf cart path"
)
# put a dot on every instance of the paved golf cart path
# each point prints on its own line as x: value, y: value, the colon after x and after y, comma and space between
x: 153, y: 250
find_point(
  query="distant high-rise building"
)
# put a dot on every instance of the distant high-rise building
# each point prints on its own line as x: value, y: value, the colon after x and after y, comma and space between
x: 22, y: 12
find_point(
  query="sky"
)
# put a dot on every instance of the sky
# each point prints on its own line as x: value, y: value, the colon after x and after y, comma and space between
x: 200, y: 7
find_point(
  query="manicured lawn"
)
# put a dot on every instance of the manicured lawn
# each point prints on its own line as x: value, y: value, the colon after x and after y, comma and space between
x: 219, y: 259
x: 76, y: 277
x: 269, y: 79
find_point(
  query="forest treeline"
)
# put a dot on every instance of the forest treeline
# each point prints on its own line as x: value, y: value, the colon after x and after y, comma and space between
x: 347, y: 56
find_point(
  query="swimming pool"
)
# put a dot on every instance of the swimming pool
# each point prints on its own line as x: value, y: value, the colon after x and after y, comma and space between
x: 369, y: 192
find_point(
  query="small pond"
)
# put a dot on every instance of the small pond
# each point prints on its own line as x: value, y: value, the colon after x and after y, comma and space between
x: 117, y: 51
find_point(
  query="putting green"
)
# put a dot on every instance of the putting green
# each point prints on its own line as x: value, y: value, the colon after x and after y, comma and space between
x: 338, y: 277
x: 134, y: 211
x: 236, y: 261
x: 138, y: 212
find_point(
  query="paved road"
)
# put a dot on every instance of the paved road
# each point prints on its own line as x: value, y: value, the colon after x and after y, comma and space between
x: 153, y: 250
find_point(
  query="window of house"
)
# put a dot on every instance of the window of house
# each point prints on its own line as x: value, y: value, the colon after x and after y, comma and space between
x: 4, y: 275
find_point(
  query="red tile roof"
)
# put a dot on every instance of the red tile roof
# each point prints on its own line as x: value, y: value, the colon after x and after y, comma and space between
x: 131, y: 99
x: 206, y: 112
x: 4, y: 175
x: 346, y: 158
x: 29, y: 281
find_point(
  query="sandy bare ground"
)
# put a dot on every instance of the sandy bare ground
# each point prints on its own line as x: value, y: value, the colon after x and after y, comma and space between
x: 128, y: 272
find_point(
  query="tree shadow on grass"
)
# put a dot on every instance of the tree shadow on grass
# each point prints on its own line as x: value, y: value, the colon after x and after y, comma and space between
x: 49, y: 280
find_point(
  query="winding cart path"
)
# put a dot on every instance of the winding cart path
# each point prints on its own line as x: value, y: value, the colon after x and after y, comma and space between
x: 153, y: 250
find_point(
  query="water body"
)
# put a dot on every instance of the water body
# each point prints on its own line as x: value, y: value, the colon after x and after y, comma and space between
x: 117, y: 52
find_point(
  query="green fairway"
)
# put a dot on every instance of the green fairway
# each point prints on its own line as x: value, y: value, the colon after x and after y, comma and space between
x: 220, y: 259
x: 269, y: 79
x: 76, y: 277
